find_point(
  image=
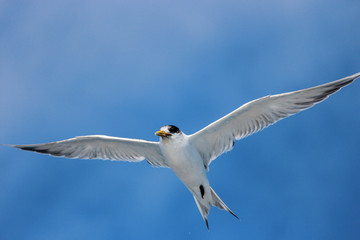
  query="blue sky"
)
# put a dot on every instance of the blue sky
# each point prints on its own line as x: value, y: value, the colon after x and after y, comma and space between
x: 125, y: 68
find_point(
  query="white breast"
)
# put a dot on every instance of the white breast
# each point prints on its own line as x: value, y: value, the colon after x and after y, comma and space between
x: 184, y: 160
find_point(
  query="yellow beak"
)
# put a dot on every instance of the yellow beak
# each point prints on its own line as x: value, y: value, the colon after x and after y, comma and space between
x: 162, y: 133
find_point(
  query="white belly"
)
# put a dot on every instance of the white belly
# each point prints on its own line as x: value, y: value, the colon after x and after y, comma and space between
x: 187, y: 164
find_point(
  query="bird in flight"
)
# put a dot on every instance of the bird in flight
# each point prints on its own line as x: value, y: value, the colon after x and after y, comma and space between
x: 189, y: 156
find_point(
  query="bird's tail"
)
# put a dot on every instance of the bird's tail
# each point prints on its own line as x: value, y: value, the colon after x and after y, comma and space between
x: 217, y: 202
x: 204, y: 207
x: 204, y: 210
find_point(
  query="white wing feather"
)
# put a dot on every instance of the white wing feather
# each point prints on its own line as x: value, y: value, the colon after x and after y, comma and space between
x: 102, y: 147
x: 256, y: 115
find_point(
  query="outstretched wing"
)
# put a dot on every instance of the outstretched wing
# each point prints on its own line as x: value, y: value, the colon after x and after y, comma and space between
x: 102, y: 147
x: 256, y: 115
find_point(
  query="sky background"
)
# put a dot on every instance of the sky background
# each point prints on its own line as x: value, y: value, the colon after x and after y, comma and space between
x: 126, y: 68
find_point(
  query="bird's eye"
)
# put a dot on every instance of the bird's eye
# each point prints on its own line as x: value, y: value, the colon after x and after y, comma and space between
x: 173, y: 129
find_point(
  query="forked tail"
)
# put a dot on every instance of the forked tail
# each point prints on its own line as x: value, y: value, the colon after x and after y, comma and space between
x: 204, y: 207
x: 219, y: 203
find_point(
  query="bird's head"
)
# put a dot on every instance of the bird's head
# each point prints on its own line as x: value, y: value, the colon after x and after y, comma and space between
x: 168, y: 131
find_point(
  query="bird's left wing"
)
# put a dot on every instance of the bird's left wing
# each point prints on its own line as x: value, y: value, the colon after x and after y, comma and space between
x: 254, y: 116
x: 102, y: 147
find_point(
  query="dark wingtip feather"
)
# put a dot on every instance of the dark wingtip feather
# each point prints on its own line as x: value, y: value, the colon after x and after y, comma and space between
x: 34, y: 148
x: 25, y: 147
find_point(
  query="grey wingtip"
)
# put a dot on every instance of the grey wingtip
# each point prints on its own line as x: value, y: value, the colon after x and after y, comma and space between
x: 351, y: 78
x: 31, y: 148
x: 356, y: 75
x: 23, y: 147
x: 9, y: 145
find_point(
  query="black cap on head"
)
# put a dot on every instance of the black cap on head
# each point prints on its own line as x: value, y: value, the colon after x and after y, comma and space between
x: 173, y: 129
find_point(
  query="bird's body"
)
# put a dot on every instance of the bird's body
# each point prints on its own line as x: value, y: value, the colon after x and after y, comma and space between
x: 189, y: 156
x: 185, y: 162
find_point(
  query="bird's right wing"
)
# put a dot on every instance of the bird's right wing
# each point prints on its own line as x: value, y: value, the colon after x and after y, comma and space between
x: 102, y: 147
x: 219, y: 136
